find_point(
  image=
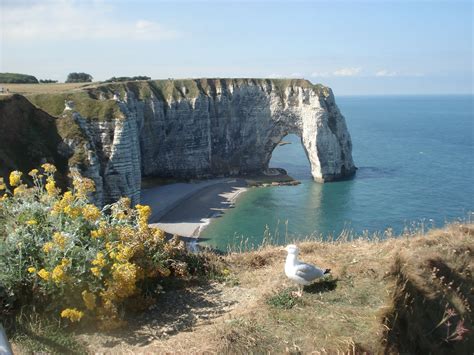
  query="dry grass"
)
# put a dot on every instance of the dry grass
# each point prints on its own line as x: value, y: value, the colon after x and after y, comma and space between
x: 380, y: 292
x: 52, y: 88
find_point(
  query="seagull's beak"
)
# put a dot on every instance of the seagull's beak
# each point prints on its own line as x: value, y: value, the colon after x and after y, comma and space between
x: 282, y: 249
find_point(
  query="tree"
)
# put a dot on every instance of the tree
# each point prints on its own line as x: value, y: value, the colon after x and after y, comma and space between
x: 79, y: 78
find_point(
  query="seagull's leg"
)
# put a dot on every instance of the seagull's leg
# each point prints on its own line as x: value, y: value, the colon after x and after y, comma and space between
x: 300, y: 290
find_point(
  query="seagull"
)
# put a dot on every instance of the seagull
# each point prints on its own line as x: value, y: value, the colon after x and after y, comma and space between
x: 299, y: 272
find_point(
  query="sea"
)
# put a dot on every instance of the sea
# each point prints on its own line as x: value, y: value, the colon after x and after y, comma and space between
x: 415, y: 159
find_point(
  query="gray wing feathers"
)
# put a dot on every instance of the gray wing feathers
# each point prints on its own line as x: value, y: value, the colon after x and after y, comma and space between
x: 308, y: 272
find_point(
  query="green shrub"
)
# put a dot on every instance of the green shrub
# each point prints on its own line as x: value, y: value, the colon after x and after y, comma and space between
x: 74, y: 260
x: 78, y: 78
x: 15, y: 78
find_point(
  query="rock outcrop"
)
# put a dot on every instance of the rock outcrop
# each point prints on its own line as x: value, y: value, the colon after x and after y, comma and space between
x: 202, y: 128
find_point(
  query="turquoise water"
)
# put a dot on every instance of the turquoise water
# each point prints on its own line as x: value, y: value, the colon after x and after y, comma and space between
x: 416, y: 169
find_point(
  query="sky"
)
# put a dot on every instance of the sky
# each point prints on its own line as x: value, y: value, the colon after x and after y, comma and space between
x: 372, y: 47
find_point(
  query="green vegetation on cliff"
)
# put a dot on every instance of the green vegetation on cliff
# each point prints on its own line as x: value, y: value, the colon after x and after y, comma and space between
x: 89, y: 107
x: 17, y: 78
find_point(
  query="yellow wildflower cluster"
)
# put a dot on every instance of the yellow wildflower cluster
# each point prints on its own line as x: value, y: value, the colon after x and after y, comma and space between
x: 33, y: 173
x: 72, y: 314
x: 99, y: 260
x: 91, y: 212
x: 47, y: 247
x: 15, y: 178
x: 49, y: 168
x: 82, y: 185
x: 144, y: 213
x: 72, y: 211
x: 44, y: 274
x: 67, y: 200
x: 51, y: 186
x: 97, y: 233
x: 124, y: 277
x: 121, y: 210
x: 20, y: 190
x: 59, y: 274
x: 104, y: 257
x: 59, y: 239
x: 89, y: 300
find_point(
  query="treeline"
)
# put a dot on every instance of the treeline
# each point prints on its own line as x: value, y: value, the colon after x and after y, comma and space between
x: 127, y: 78
x: 79, y: 78
x: 15, y: 78
x: 10, y: 78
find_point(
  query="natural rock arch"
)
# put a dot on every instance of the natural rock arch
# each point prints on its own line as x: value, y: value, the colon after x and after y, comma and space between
x: 204, y: 128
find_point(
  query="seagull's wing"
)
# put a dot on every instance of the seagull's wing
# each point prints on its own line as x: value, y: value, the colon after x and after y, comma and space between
x: 308, y: 272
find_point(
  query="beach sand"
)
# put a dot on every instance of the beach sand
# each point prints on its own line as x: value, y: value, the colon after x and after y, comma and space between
x: 186, y: 209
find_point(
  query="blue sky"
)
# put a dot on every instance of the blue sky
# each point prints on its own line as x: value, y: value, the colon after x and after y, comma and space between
x: 356, y: 47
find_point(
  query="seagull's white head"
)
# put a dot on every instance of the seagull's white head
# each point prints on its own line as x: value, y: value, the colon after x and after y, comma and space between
x: 292, y: 249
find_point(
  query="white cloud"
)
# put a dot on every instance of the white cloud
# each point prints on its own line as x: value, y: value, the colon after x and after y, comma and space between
x: 296, y: 75
x: 347, y: 71
x: 74, y: 20
x: 275, y: 76
x: 320, y: 74
x: 385, y: 72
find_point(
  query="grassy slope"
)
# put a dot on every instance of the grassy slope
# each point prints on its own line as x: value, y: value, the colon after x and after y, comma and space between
x: 352, y: 311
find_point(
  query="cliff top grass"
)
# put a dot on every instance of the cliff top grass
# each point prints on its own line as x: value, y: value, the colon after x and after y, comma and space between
x: 94, y: 100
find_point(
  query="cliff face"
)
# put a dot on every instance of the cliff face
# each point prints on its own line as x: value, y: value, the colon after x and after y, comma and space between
x: 202, y: 128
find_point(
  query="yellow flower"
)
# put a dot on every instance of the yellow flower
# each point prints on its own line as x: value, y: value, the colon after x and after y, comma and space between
x: 91, y: 212
x: 72, y: 314
x: 32, y: 222
x: 82, y: 185
x: 124, y: 254
x: 49, y: 168
x: 99, y: 260
x: 65, y: 262
x: 44, y: 274
x: 58, y: 274
x: 144, y: 213
x: 72, y: 212
x: 95, y: 271
x: 2, y: 184
x: 33, y: 173
x: 31, y: 269
x: 97, y: 233
x: 51, y: 187
x: 59, y: 239
x: 89, y: 300
x: 67, y: 199
x: 47, y: 247
x: 20, y: 190
x: 15, y: 178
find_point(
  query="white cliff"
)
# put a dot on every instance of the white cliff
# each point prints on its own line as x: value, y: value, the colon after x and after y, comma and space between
x: 211, y: 127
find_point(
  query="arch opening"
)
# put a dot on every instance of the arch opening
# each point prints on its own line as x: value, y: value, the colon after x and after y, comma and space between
x: 290, y: 154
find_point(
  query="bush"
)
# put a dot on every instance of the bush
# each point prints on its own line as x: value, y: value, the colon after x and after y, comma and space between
x: 126, y: 78
x: 79, y: 78
x: 47, y: 81
x: 69, y: 258
x: 15, y: 78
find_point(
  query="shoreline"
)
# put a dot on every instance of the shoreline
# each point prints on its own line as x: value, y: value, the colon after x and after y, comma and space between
x: 186, y: 209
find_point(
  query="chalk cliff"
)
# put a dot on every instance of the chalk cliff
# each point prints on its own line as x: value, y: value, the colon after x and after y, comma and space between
x: 199, y: 128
